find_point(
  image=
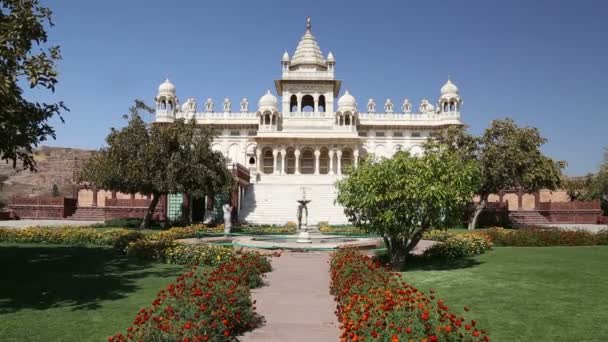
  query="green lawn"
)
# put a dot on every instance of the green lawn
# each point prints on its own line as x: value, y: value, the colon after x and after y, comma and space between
x: 59, y: 293
x: 528, y: 293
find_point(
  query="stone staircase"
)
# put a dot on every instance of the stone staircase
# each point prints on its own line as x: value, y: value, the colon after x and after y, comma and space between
x: 527, y: 218
x: 88, y: 214
x: 273, y: 200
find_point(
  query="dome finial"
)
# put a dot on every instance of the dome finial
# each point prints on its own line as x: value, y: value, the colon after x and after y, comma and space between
x: 308, y: 24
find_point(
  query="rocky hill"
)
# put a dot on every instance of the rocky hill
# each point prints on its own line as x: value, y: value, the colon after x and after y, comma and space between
x: 56, y: 165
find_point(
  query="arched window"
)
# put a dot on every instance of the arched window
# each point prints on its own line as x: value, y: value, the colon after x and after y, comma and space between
x: 163, y: 104
x: 308, y: 104
x: 268, y: 162
x: 324, y: 162
x: 322, y: 104
x: 170, y: 105
x: 452, y: 106
x: 293, y: 104
x: 290, y: 159
x: 307, y: 162
x: 347, y: 120
x: 267, y: 119
x: 274, y: 119
x: 346, y: 160
x: 445, y: 106
x: 251, y: 160
x: 233, y: 153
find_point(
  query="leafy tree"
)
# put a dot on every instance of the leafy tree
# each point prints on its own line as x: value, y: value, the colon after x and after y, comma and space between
x: 166, y: 158
x: 508, y: 156
x: 402, y: 197
x: 578, y: 188
x: 25, y: 59
x: 597, y: 187
x: 55, y: 191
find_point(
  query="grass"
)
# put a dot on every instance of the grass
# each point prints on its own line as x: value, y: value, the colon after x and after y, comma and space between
x: 527, y: 293
x: 62, y: 293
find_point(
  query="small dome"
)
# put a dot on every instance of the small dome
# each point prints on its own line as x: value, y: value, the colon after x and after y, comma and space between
x: 330, y: 57
x: 285, y: 57
x: 347, y: 100
x: 449, y: 88
x: 166, y: 87
x: 268, y: 100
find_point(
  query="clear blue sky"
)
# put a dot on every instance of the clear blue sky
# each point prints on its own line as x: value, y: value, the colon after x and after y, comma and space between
x: 543, y: 63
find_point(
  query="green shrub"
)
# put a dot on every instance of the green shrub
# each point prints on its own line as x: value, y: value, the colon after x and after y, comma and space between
x: 341, y: 230
x: 456, y: 246
x: 148, y: 249
x: 210, y: 255
x: 262, y: 230
x: 541, y: 237
x: 123, y: 222
x: 120, y: 238
x: 63, y: 235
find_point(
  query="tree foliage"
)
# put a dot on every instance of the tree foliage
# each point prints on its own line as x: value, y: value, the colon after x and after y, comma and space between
x: 166, y: 158
x: 402, y: 197
x: 25, y: 59
x: 509, y: 158
x: 596, y: 186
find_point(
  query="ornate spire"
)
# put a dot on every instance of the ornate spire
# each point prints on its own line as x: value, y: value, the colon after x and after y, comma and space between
x: 308, y: 51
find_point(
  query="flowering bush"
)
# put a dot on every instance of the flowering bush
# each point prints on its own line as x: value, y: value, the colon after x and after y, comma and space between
x: 68, y: 236
x: 197, y: 254
x: 454, y: 246
x: 544, y: 237
x: 326, y: 228
x: 202, y: 305
x: 262, y: 230
x: 375, y: 304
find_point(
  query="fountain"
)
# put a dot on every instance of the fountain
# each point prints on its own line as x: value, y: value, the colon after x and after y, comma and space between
x: 303, y: 241
x: 304, y: 236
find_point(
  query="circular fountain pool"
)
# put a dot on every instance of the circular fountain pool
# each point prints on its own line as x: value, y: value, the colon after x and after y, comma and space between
x: 317, y: 241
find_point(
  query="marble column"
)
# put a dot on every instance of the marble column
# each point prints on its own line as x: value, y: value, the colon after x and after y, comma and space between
x: 317, y: 155
x: 331, y: 162
x: 299, y: 104
x: 296, y: 153
x: 316, y: 110
x: 275, y: 153
x: 259, y: 160
x: 283, y: 162
x: 339, y: 158
x: 356, y: 158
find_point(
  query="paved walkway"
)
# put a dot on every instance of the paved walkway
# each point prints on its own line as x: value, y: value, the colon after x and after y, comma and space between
x: 296, y: 303
x: 44, y: 223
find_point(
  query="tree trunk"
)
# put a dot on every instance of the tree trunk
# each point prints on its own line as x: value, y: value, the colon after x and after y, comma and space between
x: 478, y: 209
x: 150, y: 213
x: 399, y: 250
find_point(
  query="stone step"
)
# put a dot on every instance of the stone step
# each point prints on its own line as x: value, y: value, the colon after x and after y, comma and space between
x: 273, y: 200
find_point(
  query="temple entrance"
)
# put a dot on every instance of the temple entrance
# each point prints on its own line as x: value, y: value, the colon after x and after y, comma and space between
x: 198, y: 209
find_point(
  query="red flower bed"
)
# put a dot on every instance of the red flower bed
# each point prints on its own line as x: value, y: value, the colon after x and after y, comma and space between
x: 376, y: 304
x: 210, y: 305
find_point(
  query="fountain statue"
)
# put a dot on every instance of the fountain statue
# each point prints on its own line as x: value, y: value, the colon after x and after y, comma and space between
x: 227, y: 208
x: 304, y: 236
